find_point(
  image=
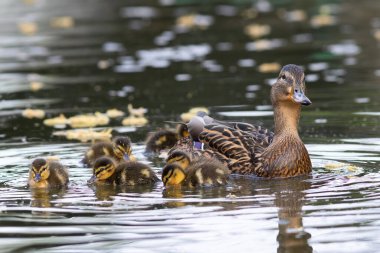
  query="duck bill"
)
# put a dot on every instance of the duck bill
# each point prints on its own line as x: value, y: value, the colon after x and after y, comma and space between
x: 300, y: 98
x: 37, y: 177
x: 92, y: 180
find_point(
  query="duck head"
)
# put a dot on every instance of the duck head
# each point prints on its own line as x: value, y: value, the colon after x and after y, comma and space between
x: 40, y: 170
x: 122, y: 147
x: 290, y: 87
x: 179, y: 157
x: 104, y: 168
x: 173, y: 174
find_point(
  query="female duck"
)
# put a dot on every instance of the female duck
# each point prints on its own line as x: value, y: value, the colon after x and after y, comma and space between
x: 249, y: 149
x: 201, y: 171
x: 126, y: 173
x: 47, y: 173
x: 119, y: 149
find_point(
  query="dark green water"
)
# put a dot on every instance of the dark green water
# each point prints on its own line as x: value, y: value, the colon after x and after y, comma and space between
x: 119, y: 52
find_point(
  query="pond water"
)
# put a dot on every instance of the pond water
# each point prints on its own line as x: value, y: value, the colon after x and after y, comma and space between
x: 77, y: 57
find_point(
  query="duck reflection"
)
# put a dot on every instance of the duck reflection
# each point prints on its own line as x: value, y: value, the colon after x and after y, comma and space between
x: 43, y: 197
x: 289, y: 198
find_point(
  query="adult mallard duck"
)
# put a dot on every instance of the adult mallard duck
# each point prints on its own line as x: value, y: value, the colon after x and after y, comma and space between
x: 47, y: 173
x: 119, y: 149
x: 181, y: 169
x: 106, y: 171
x: 250, y: 149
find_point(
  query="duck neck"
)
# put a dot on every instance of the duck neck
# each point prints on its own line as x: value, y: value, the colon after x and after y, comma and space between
x: 286, y: 117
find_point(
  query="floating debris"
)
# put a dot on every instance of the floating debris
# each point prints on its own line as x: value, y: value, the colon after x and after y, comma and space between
x: 186, y: 116
x: 85, y: 135
x: 28, y: 28
x: 33, y: 113
x: 88, y: 120
x: 61, y: 120
x: 293, y: 15
x: 194, y: 21
x: 114, y: 113
x: 323, y: 20
x: 36, y: 86
x: 137, y: 112
x: 62, y: 22
x: 134, y: 121
x: 269, y: 67
x: 264, y: 44
x: 342, y: 166
x: 257, y: 30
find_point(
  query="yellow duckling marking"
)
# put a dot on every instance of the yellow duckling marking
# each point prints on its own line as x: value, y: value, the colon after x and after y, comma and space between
x: 199, y: 175
x: 219, y: 180
x: 145, y: 173
x: 174, y: 177
x: 219, y: 171
x: 90, y: 154
x: 104, y: 172
x: 209, y: 181
x: 106, y: 152
x: 161, y: 140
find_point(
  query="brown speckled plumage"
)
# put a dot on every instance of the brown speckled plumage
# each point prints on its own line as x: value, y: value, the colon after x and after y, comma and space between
x: 249, y: 149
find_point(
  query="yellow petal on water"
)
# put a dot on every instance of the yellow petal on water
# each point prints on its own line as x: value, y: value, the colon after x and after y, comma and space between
x: 186, y: 116
x: 62, y: 22
x: 28, y: 28
x: 33, y: 113
x: 57, y: 121
x: 199, y: 109
x: 193, y: 21
x: 85, y: 135
x: 333, y: 166
x: 322, y: 20
x: 114, y: 113
x: 269, y: 67
x: 137, y: 112
x: 52, y: 159
x: 36, y: 86
x: 88, y: 120
x: 297, y: 15
x: 134, y: 121
x: 257, y: 30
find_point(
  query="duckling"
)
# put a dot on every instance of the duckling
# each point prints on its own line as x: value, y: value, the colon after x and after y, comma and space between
x: 254, y: 150
x: 201, y: 171
x: 106, y: 171
x: 165, y: 139
x: 119, y: 149
x: 47, y: 173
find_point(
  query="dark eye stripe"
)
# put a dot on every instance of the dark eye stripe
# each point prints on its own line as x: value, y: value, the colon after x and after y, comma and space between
x: 100, y: 169
x: 166, y: 178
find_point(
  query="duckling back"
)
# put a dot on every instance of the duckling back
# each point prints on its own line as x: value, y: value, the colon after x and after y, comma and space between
x: 97, y: 150
x: 59, y: 175
x: 206, y: 172
x: 160, y: 140
x: 135, y: 173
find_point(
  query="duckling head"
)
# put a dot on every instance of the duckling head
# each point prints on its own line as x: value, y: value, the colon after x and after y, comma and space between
x: 122, y: 147
x: 104, y: 168
x: 40, y: 170
x: 290, y: 86
x: 173, y: 174
x: 180, y: 157
x: 182, y: 131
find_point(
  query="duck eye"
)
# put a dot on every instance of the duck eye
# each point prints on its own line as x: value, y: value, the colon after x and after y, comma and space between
x: 283, y: 77
x: 296, y: 91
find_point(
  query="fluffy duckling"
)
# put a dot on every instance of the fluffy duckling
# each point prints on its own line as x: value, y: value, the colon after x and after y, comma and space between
x: 165, y: 139
x: 119, y: 149
x: 181, y: 170
x: 47, y: 173
x: 106, y: 171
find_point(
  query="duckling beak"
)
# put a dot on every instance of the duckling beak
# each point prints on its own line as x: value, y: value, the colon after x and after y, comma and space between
x: 37, y: 177
x: 126, y: 157
x: 300, y: 97
x: 92, y: 180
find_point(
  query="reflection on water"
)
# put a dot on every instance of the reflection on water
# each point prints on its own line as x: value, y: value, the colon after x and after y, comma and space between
x: 75, y: 57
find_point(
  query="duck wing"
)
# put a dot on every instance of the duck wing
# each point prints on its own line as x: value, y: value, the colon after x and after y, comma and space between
x: 239, y: 149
